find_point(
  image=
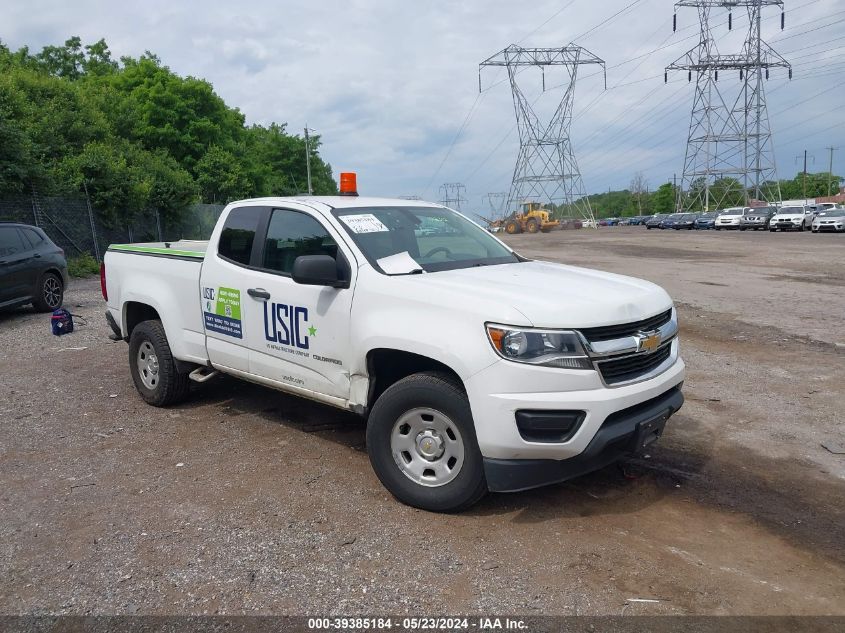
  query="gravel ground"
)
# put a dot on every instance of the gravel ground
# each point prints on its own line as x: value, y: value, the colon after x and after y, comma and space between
x: 244, y: 500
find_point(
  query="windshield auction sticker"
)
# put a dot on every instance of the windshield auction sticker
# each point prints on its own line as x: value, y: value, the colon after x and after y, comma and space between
x: 363, y: 223
x: 222, y: 311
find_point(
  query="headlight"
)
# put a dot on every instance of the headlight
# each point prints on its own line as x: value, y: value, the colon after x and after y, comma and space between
x: 548, y: 348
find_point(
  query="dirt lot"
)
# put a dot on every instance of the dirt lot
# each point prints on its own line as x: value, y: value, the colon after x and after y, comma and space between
x: 244, y: 500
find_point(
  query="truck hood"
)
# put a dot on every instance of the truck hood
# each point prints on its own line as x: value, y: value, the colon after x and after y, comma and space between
x: 552, y: 295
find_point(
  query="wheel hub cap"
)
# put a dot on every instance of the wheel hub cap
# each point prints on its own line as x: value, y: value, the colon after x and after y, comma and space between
x: 427, y: 447
x: 430, y: 444
x: 148, y: 365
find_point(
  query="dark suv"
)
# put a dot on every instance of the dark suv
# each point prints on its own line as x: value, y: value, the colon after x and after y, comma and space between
x: 756, y: 218
x: 32, y: 268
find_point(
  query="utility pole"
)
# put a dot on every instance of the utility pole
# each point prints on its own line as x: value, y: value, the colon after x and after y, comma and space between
x: 804, y: 174
x: 830, y: 169
x: 308, y: 159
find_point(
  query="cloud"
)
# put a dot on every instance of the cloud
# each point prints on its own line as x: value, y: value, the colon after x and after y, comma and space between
x: 388, y: 84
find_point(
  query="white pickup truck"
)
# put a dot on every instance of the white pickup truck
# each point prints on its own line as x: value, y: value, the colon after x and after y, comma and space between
x: 477, y: 369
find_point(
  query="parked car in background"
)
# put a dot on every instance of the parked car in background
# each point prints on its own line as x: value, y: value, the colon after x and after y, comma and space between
x: 793, y: 218
x: 654, y: 221
x: 32, y: 268
x: 825, y: 206
x: 639, y: 220
x: 686, y: 221
x: 829, y: 220
x: 705, y: 220
x: 729, y: 218
x: 669, y: 221
x: 588, y: 224
x: 756, y: 218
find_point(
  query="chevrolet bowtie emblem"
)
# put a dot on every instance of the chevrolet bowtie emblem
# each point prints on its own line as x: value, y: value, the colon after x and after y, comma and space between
x: 648, y: 341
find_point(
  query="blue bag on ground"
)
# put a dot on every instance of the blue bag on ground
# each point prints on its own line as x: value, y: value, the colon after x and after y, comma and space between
x: 62, y: 322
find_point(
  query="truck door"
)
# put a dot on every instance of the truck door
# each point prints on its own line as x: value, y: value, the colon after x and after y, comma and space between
x: 299, y: 334
x: 223, y: 284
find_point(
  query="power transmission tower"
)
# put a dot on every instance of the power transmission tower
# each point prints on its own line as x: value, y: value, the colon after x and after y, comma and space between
x: 452, y: 195
x: 546, y: 170
x: 498, y: 203
x: 729, y: 151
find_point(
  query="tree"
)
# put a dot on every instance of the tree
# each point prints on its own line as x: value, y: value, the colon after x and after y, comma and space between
x: 220, y: 177
x: 136, y: 134
x: 639, y: 188
x: 664, y: 200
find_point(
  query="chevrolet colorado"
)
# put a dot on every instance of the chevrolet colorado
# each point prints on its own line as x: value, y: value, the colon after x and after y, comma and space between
x: 477, y: 369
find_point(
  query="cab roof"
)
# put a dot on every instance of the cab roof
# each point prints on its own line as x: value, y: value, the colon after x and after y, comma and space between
x: 339, y: 202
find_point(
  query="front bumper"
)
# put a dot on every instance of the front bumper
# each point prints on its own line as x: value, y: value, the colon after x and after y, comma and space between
x: 498, y: 392
x: 829, y: 227
x: 624, y: 432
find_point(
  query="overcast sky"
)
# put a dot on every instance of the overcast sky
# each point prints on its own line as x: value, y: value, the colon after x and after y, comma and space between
x: 390, y: 83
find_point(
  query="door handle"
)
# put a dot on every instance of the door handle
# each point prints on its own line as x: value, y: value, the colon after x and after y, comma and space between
x: 37, y: 256
x: 258, y: 293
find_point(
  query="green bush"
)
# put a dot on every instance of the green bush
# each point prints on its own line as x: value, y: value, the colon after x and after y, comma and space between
x: 82, y: 266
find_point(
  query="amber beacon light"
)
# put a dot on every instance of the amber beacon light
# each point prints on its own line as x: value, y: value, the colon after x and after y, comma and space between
x: 348, y: 183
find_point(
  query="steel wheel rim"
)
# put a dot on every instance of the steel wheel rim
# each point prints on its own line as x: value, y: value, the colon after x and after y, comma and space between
x: 427, y: 447
x: 148, y: 365
x: 52, y: 292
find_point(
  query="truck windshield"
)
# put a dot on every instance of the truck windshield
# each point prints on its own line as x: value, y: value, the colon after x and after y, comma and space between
x: 434, y: 238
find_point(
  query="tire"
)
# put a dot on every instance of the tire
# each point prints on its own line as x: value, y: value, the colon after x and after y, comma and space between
x: 159, y: 383
x: 742, y: 228
x: 801, y: 228
x: 430, y: 403
x: 51, y: 293
x: 532, y: 226
x: 513, y: 228
x: 772, y: 230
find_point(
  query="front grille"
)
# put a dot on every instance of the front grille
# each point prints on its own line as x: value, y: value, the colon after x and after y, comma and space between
x: 610, y: 332
x: 632, y: 367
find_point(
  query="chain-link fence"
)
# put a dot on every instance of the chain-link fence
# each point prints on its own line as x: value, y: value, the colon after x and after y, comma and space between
x: 77, y: 228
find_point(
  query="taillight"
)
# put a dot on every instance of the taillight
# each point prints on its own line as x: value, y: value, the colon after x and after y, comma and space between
x: 103, y: 281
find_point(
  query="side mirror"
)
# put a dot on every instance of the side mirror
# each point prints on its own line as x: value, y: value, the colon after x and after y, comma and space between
x: 317, y: 270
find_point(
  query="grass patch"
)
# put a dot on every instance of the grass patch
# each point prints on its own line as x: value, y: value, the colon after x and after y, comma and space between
x: 83, y: 266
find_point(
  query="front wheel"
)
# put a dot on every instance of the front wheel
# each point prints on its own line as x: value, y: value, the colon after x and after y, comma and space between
x: 422, y: 446
x: 51, y: 292
x: 153, y: 367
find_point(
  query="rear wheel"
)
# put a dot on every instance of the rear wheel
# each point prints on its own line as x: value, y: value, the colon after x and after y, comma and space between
x: 153, y: 367
x: 422, y: 446
x: 51, y: 292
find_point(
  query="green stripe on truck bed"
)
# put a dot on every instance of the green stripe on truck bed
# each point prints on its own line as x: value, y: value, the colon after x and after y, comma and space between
x: 152, y: 250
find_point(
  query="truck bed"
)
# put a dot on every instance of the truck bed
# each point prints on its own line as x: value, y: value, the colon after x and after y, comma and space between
x: 166, y: 276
